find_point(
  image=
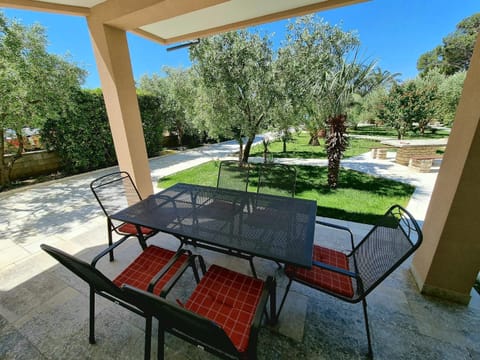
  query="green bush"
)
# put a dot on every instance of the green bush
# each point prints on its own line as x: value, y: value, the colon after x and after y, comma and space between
x: 153, y: 121
x: 82, y: 137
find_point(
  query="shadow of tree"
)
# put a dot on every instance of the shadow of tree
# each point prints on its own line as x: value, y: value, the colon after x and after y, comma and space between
x: 314, y: 177
x: 49, y: 209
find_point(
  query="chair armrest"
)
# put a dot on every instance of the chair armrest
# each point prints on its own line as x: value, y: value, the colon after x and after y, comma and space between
x: 336, y: 269
x: 338, y: 227
x: 108, y: 249
x: 268, y: 291
x: 166, y: 268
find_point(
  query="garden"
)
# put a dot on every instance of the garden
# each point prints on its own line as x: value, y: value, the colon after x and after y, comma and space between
x: 358, y: 197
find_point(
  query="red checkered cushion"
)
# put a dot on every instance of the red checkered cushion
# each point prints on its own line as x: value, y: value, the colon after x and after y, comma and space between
x: 132, y: 229
x: 149, y: 263
x: 335, y: 282
x: 230, y: 300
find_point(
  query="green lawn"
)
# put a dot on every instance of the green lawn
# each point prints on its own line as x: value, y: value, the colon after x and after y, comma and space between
x: 299, y: 148
x: 359, y: 197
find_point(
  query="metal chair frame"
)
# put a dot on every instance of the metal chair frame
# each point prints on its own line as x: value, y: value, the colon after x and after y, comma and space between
x: 100, y: 285
x: 240, y: 175
x: 265, y: 181
x: 289, y: 177
x: 397, y: 220
x: 124, y: 179
x: 197, y: 329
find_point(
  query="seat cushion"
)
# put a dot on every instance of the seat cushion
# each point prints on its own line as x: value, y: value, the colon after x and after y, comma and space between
x: 148, y: 264
x: 132, y: 229
x: 322, y: 278
x: 230, y: 300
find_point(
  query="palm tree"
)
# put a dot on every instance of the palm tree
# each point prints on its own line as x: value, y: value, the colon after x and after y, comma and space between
x: 338, y: 86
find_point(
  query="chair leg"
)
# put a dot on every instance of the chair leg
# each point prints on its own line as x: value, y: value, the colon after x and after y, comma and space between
x: 273, y: 303
x: 194, y: 269
x: 284, y: 297
x: 141, y: 238
x: 254, y: 273
x: 148, y: 337
x: 110, y: 240
x: 202, y: 264
x: 161, y: 343
x: 91, y: 337
x: 370, y: 351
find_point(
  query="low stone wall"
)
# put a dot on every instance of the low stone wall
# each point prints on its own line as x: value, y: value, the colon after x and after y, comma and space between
x: 35, y: 163
x: 404, y: 154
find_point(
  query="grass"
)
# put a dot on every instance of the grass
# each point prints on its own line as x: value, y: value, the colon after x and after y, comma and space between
x: 359, y: 197
x: 299, y: 148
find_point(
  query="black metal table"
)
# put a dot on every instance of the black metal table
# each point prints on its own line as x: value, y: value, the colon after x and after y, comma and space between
x: 272, y: 227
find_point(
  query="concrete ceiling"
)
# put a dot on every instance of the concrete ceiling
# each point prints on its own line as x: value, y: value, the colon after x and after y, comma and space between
x: 170, y: 21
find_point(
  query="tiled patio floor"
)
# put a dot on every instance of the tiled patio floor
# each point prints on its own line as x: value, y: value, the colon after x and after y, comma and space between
x: 44, y: 314
x: 44, y: 308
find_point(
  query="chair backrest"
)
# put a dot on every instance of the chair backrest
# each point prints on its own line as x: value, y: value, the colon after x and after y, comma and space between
x: 390, y: 242
x: 277, y: 179
x: 233, y: 175
x: 85, y: 271
x: 184, y: 323
x: 115, y: 192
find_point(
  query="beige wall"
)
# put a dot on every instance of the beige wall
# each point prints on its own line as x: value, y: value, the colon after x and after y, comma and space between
x: 448, y: 261
x: 113, y: 62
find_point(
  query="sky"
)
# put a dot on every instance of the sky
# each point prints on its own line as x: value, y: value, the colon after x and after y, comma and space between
x: 393, y: 32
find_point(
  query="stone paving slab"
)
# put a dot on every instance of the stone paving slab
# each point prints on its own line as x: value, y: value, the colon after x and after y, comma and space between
x: 44, y: 308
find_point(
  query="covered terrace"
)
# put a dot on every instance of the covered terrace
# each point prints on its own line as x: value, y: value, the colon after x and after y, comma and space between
x: 447, y: 263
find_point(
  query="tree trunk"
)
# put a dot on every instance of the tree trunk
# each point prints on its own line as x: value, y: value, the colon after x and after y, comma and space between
x: 333, y: 172
x: 180, y: 134
x: 336, y: 144
x: 6, y: 167
x: 3, y: 169
x: 313, y: 140
x: 315, y: 137
x: 240, y: 152
x: 265, y: 150
x: 284, y: 145
x: 248, y: 146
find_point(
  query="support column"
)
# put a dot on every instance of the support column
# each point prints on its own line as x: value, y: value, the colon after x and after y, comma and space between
x: 448, y: 261
x: 118, y: 86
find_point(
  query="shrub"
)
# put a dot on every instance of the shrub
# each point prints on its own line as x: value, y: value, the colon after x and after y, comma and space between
x: 83, y: 139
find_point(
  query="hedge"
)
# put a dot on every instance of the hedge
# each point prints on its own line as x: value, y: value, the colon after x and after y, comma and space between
x: 83, y: 140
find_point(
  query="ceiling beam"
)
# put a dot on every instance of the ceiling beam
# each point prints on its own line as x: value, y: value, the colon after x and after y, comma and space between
x: 130, y: 15
x: 45, y: 6
x: 300, y: 11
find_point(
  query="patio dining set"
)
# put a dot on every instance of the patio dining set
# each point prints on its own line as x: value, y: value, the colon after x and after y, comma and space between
x: 225, y: 310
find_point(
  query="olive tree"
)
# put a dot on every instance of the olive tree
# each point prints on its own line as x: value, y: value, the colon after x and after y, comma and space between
x: 176, y: 92
x: 236, y: 89
x: 313, y: 49
x: 34, y: 85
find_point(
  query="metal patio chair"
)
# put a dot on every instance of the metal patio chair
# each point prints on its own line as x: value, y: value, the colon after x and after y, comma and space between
x: 155, y: 270
x: 114, y: 192
x: 233, y: 175
x: 351, y: 277
x: 277, y: 179
x: 222, y: 315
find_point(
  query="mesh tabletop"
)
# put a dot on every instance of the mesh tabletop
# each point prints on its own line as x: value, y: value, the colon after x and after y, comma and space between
x: 273, y: 227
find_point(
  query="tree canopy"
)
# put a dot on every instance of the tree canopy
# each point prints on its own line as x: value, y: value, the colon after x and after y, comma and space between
x: 236, y: 78
x: 456, y: 50
x: 34, y: 84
